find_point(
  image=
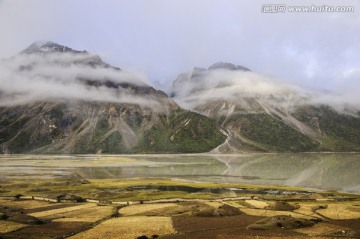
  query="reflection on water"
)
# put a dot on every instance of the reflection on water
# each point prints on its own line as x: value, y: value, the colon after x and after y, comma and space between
x: 333, y: 171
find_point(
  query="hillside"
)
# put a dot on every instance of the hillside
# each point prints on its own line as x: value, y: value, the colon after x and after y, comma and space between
x: 259, y: 113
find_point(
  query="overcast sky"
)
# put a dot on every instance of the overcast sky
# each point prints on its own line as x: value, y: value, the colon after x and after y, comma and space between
x: 163, y: 38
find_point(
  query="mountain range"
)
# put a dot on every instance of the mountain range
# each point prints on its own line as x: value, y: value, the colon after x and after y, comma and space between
x: 59, y: 100
x: 54, y: 99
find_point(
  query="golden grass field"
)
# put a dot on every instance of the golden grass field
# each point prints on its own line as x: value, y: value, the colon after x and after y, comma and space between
x: 307, y: 208
x: 56, y: 213
x: 213, y: 204
x: 90, y: 214
x: 8, y: 226
x: 144, y: 208
x: 129, y: 228
x: 257, y: 204
x: 341, y: 211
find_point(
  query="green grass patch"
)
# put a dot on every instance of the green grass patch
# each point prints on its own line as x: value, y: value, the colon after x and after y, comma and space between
x: 271, y: 133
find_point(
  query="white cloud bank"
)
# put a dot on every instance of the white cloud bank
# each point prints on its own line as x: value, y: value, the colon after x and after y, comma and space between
x: 27, y: 78
x: 235, y: 86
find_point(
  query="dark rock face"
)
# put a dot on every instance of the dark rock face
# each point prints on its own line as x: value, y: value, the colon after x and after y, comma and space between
x: 51, y: 48
x: 228, y: 66
x: 48, y: 48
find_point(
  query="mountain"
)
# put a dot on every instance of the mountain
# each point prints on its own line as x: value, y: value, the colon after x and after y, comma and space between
x: 54, y: 99
x: 260, y: 113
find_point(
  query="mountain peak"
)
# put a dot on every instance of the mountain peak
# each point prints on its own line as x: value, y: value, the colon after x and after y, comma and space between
x: 48, y: 47
x: 44, y: 47
x: 227, y: 66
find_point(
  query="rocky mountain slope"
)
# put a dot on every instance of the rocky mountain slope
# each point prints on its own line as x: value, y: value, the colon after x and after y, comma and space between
x: 58, y: 100
x: 258, y: 113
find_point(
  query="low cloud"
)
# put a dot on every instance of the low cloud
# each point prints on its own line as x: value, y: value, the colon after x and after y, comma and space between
x: 27, y: 78
x: 236, y: 86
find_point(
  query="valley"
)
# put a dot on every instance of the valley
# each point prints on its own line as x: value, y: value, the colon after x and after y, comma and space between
x: 103, y: 154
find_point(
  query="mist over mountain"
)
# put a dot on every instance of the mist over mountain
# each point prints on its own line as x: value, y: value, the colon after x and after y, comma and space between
x: 261, y: 113
x: 231, y: 83
x: 54, y: 99
x: 49, y: 71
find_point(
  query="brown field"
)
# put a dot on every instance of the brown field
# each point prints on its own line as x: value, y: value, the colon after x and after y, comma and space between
x: 236, y: 227
x: 129, y: 228
x: 8, y: 226
x: 47, y: 231
x: 223, y: 227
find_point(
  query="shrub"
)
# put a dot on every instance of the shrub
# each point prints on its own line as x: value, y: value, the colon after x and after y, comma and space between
x: 18, y: 196
x: 4, y: 216
x: 142, y: 237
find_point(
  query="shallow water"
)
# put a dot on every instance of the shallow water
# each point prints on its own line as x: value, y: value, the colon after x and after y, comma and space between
x: 325, y: 171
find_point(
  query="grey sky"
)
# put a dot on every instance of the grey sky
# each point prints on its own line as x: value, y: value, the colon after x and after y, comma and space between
x: 163, y: 38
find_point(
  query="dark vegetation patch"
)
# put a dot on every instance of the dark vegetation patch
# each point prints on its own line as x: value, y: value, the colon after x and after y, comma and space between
x: 16, y: 214
x: 25, y: 219
x: 182, y: 132
x: 352, y: 224
x: 189, y: 189
x: 281, y: 222
x: 341, y: 131
x: 271, y: 133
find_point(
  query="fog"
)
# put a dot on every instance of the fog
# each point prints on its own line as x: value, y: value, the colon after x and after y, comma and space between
x: 27, y: 78
x: 199, y: 87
